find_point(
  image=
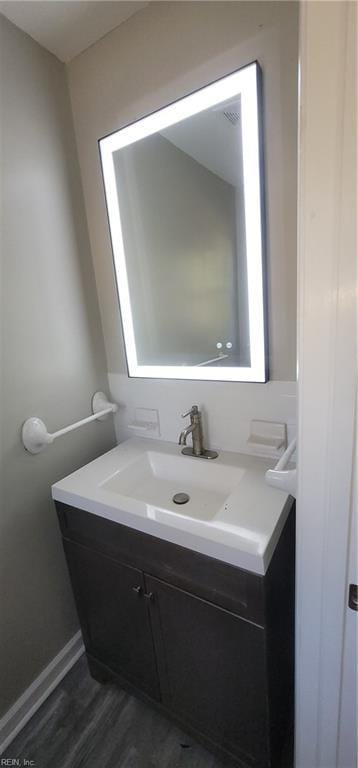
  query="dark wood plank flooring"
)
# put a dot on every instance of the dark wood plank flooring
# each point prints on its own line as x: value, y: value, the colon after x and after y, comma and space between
x: 84, y: 724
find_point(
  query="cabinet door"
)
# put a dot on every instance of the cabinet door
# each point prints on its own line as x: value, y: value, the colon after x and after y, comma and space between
x: 212, y: 667
x: 114, y: 615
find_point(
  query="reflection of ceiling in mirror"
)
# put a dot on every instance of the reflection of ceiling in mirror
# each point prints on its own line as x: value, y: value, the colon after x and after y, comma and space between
x: 213, y: 139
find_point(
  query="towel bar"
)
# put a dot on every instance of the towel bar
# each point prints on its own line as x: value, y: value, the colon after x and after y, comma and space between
x: 281, y: 478
x: 36, y: 438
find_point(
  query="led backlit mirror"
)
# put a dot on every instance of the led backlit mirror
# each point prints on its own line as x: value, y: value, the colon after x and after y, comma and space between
x: 184, y: 191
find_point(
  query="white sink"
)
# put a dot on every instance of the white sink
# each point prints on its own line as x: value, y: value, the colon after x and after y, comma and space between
x: 231, y: 514
x: 155, y: 478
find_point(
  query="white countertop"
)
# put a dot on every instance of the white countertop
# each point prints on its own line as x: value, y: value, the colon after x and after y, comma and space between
x: 238, y: 518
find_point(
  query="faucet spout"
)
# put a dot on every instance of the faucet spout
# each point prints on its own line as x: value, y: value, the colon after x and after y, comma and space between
x: 184, y: 434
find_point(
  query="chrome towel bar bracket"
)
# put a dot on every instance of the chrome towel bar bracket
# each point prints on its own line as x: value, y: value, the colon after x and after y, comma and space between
x: 36, y: 438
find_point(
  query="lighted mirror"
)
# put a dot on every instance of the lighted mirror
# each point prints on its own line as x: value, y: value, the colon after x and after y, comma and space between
x: 184, y: 191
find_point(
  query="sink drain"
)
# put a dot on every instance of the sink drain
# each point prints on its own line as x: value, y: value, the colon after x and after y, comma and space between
x: 181, y: 498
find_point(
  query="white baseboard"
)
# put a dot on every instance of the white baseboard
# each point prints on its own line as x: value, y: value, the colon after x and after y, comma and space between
x: 39, y: 690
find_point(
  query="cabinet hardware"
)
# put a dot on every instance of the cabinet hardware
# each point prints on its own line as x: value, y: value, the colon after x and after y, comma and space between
x: 149, y: 596
x: 353, y: 597
x: 138, y: 590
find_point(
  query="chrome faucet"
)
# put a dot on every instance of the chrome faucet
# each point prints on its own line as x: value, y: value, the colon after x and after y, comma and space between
x: 196, y: 430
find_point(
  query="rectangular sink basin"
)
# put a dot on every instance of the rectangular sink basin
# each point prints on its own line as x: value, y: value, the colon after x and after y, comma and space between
x: 231, y: 513
x: 155, y: 478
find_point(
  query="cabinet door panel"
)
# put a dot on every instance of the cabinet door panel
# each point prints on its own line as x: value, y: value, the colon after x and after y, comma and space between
x: 213, y: 669
x: 114, y: 617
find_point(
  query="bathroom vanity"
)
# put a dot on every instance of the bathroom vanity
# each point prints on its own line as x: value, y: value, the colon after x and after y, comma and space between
x: 192, y: 610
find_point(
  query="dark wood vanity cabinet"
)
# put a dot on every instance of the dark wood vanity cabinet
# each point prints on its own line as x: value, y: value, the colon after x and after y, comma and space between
x: 212, y: 664
x: 209, y: 644
x: 114, y: 619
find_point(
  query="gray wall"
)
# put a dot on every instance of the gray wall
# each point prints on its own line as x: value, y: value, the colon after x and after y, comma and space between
x: 178, y: 222
x: 161, y: 53
x: 52, y: 353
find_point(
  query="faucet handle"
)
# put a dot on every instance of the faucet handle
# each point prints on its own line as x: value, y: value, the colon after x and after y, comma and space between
x: 193, y: 409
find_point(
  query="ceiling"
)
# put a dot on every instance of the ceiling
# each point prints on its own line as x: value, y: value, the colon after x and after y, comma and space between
x: 68, y: 28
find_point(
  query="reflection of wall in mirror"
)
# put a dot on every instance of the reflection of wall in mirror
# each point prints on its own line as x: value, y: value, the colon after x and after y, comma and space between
x: 179, y: 231
x: 214, y: 139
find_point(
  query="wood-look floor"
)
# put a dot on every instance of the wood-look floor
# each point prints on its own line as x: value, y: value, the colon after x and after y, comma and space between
x: 84, y: 724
